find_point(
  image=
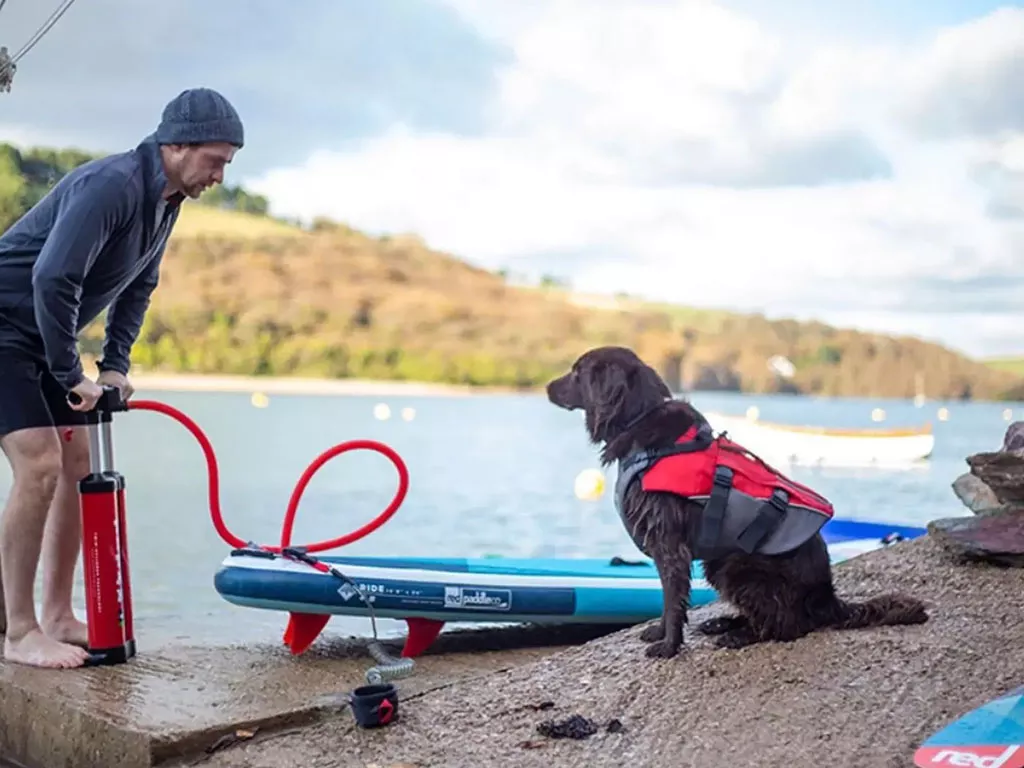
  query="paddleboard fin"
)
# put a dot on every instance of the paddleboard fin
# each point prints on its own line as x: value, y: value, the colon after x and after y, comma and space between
x: 303, y: 629
x: 422, y: 634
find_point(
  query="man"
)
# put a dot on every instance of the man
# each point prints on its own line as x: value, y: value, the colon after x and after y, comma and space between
x: 94, y: 242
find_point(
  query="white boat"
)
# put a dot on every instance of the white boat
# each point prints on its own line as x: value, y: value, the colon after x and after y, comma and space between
x: 827, y: 445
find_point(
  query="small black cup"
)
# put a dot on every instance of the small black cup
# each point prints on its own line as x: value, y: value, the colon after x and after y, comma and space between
x: 374, y: 705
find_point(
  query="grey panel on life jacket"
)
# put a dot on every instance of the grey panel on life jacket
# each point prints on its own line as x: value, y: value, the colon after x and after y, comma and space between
x: 798, y: 524
x: 635, y: 465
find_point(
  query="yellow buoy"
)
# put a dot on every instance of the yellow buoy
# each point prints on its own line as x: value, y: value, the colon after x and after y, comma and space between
x: 943, y: 414
x: 1008, y: 414
x: 382, y: 411
x: 408, y: 413
x: 753, y: 412
x: 878, y: 414
x: 589, y: 485
x: 259, y: 400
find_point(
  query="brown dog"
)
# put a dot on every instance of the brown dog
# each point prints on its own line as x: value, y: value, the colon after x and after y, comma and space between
x: 780, y: 596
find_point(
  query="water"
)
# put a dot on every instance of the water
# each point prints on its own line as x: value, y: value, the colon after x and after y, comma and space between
x: 488, y: 474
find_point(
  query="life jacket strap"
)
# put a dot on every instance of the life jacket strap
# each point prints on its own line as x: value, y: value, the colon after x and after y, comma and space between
x: 769, y: 516
x: 713, y: 517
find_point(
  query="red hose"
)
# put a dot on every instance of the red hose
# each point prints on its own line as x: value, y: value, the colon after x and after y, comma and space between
x: 293, y: 502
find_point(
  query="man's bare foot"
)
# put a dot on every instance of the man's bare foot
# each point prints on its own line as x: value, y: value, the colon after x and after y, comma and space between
x: 35, y: 649
x: 69, y: 630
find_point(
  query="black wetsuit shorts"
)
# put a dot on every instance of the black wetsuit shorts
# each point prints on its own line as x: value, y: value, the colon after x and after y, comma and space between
x: 30, y: 396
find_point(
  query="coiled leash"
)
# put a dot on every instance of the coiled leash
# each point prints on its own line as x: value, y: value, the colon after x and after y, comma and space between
x: 388, y: 667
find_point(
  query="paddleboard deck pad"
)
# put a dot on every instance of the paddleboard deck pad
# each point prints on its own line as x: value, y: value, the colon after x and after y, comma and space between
x: 989, y: 736
x: 434, y: 591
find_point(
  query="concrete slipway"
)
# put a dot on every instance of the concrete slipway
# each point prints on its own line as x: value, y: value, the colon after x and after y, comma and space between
x: 177, y: 701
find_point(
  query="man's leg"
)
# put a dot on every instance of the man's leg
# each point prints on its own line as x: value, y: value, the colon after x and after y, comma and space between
x: 62, y: 537
x: 33, y: 449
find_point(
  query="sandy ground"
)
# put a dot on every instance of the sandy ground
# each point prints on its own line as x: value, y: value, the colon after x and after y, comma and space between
x: 856, y: 698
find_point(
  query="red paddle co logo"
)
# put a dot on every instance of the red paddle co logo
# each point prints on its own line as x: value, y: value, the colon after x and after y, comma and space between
x: 1001, y: 756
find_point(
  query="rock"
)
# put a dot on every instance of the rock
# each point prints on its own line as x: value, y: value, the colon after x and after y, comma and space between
x: 974, y: 494
x: 995, y: 539
x: 996, y: 477
x: 1013, y: 440
x: 572, y: 727
x: 715, y: 378
x: 1002, y: 472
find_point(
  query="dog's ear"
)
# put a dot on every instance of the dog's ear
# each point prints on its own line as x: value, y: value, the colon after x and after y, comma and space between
x: 605, y: 388
x: 604, y: 385
x: 648, y: 384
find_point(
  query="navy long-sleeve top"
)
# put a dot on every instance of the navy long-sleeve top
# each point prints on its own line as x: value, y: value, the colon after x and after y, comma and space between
x: 94, y: 241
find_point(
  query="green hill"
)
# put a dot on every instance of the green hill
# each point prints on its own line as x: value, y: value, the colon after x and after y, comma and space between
x: 244, y: 293
x: 1014, y: 365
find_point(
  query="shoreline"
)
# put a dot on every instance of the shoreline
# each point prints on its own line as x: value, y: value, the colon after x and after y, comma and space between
x: 360, y: 387
x: 288, y: 385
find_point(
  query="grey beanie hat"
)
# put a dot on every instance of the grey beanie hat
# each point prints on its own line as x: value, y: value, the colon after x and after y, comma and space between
x: 198, y: 116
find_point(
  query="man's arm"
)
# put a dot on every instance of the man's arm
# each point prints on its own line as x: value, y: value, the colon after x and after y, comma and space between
x: 124, y: 318
x: 92, y: 210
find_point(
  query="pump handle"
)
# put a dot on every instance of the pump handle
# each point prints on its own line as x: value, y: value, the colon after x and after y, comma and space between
x: 109, y: 401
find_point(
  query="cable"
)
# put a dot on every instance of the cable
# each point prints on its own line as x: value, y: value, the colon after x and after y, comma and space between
x: 7, y: 67
x: 41, y: 32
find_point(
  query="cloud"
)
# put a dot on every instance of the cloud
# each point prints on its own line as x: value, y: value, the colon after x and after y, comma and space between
x: 697, y: 157
x: 858, y: 164
x: 964, y: 83
x: 319, y: 74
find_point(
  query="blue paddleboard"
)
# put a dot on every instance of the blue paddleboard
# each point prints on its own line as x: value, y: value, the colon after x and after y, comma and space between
x: 990, y: 736
x: 517, y: 590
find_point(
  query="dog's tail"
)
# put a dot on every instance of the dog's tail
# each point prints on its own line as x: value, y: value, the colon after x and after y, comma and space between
x: 891, y: 609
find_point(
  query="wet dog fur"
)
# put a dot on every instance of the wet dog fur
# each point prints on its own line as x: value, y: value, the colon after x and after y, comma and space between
x: 628, y: 407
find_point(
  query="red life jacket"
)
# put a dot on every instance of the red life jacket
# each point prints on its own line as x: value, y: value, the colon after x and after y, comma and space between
x: 748, y: 506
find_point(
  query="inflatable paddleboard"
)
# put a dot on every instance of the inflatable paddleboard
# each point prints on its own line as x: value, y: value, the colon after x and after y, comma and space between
x: 990, y: 736
x: 514, y: 590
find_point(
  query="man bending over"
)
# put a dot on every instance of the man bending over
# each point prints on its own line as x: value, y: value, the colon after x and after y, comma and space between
x: 94, y: 242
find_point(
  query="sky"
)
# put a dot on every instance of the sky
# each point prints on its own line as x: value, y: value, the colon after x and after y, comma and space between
x: 859, y: 163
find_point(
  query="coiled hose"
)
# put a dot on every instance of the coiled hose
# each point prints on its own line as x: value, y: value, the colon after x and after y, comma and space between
x: 388, y: 667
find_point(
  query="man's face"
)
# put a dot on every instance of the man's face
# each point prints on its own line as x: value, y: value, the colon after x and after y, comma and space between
x: 193, y: 169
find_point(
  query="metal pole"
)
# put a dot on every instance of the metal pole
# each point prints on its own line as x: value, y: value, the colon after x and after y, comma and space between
x: 107, y: 438
x: 97, y: 461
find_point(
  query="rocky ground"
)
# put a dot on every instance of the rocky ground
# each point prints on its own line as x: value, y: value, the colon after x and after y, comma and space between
x: 856, y: 698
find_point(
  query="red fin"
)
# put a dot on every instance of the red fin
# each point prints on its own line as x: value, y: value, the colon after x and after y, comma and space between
x: 303, y: 629
x: 422, y: 634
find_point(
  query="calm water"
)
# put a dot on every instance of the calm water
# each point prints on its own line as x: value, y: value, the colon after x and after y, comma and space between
x: 488, y: 474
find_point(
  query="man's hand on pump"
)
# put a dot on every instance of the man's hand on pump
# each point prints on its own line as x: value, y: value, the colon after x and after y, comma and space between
x: 84, y: 396
x: 117, y: 380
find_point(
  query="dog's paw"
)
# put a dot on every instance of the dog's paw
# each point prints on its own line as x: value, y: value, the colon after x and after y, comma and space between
x: 653, y: 633
x: 663, y: 649
x: 721, y: 625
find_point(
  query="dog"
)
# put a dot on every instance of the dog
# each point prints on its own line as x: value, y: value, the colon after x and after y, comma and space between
x: 779, y: 597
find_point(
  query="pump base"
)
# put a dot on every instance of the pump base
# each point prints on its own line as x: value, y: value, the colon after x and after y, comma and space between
x: 103, y: 657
